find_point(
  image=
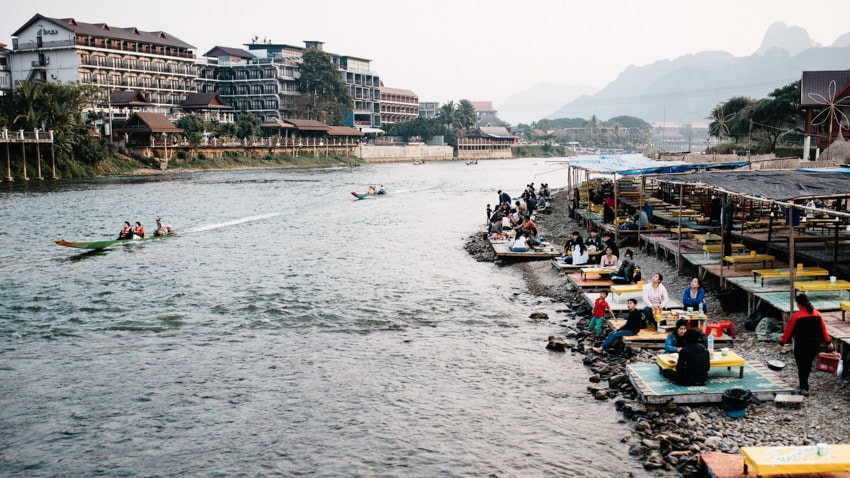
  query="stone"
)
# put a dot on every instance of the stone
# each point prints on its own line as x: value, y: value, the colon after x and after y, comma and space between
x: 601, y: 395
x: 556, y: 345
x: 616, y: 380
x: 654, y: 461
x: 539, y: 316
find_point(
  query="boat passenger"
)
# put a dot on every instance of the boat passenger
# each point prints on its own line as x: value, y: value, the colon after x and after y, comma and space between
x: 161, y: 229
x: 126, y: 231
x: 138, y: 231
x: 382, y: 190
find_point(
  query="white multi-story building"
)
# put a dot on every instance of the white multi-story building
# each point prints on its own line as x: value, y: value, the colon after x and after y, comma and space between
x: 429, y: 109
x: 156, y: 64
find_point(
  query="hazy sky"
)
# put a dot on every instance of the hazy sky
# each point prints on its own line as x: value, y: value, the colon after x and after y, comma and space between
x: 479, y: 50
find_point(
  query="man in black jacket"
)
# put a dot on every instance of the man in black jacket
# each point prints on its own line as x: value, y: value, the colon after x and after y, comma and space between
x: 634, y: 321
x: 693, y: 362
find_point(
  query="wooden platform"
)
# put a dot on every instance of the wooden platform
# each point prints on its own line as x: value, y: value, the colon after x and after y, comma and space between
x: 593, y: 283
x: 653, y: 388
x: 503, y: 251
x: 729, y: 465
x: 617, y: 306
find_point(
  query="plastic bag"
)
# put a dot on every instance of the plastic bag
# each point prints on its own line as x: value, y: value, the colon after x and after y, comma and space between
x: 839, y: 369
x: 738, y: 399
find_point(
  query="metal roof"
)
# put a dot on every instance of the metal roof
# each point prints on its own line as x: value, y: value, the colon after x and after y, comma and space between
x: 776, y: 185
x: 817, y: 84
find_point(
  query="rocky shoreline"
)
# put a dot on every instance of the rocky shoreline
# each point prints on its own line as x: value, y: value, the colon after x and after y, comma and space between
x: 669, y: 438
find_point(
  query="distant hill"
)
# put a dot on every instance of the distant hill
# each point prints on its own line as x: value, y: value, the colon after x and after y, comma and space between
x: 688, y: 88
x: 539, y: 101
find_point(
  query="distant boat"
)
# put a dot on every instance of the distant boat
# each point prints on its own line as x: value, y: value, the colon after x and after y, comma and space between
x: 470, y: 163
x: 96, y: 245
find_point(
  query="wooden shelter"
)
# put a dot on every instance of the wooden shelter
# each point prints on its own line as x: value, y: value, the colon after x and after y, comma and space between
x: 143, y: 128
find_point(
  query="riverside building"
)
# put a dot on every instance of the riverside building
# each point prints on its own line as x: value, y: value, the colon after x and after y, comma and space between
x: 157, y: 64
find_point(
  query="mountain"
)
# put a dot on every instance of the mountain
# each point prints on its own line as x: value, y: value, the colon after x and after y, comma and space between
x: 687, y: 88
x: 540, y: 100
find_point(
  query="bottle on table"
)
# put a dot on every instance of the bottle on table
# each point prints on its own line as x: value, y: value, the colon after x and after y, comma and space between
x: 711, y: 343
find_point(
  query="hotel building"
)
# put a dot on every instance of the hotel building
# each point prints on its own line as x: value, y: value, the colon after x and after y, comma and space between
x: 157, y: 64
x: 398, y: 106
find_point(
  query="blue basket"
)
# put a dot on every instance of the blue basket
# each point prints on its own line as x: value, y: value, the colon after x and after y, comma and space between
x: 736, y: 413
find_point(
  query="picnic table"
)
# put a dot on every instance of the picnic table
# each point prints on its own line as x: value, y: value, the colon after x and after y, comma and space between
x: 845, y: 307
x: 682, y: 230
x: 708, y: 249
x: 783, y: 273
x: 795, y: 460
x: 763, y: 258
x: 731, y: 359
x: 707, y: 238
x: 602, y: 271
x: 821, y: 285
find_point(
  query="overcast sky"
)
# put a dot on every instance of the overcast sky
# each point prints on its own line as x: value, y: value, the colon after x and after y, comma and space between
x: 479, y: 50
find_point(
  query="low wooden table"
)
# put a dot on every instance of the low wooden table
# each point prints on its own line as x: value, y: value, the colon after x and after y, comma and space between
x: 795, y: 460
x: 682, y: 230
x: 731, y: 359
x: 602, y: 271
x: 763, y: 258
x: 822, y: 285
x: 707, y: 238
x: 785, y: 273
x: 625, y: 288
x: 708, y: 249
x: 845, y: 307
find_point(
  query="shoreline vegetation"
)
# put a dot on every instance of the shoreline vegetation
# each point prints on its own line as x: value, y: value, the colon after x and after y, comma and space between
x: 669, y: 438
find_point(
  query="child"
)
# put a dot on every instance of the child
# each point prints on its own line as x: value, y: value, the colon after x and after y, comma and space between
x: 489, y: 213
x: 599, y: 308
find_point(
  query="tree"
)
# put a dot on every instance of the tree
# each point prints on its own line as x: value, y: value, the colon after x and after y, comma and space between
x: 247, y: 125
x: 776, y: 117
x: 729, y: 120
x: 323, y: 89
x: 194, y: 127
x: 466, y: 117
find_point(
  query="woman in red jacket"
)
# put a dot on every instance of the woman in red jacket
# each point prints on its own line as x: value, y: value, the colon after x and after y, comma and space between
x: 808, y: 329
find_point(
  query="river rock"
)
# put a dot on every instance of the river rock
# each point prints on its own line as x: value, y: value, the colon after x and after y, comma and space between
x: 556, y: 345
x: 654, y: 461
x: 539, y: 316
x: 617, y: 380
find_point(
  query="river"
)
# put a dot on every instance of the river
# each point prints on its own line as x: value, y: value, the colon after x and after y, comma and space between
x: 289, y: 330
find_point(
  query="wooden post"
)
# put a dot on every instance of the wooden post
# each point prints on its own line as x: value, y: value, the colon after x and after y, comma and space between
x: 8, y: 157
x: 52, y: 156
x: 24, y: 153
x: 679, y: 243
x: 792, y: 266
x: 38, y: 155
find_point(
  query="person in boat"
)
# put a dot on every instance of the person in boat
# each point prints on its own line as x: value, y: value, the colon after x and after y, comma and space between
x: 382, y: 190
x: 161, y: 229
x: 371, y: 190
x: 138, y: 231
x: 126, y: 231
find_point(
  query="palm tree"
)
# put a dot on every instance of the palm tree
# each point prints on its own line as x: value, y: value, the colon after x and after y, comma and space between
x: 448, y: 115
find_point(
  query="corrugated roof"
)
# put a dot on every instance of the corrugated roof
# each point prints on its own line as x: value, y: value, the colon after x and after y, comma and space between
x: 308, y: 125
x: 218, y: 51
x: 396, y: 91
x: 815, y: 83
x: 777, y: 185
x: 204, y: 101
x: 149, y: 122
x: 128, y: 98
x: 344, y: 131
x: 107, y: 31
x: 495, y: 132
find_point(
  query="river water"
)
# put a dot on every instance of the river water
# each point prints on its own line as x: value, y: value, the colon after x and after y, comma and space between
x: 288, y: 330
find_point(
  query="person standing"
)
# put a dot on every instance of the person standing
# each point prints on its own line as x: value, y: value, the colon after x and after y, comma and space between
x: 807, y: 328
x: 597, y: 321
x: 631, y: 327
x: 693, y: 362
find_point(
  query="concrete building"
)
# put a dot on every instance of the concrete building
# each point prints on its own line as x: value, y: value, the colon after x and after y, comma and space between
x: 157, y: 64
x: 5, y: 74
x: 398, y: 106
x: 429, y: 109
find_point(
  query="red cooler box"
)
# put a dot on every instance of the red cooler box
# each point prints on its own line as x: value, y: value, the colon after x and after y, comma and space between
x: 828, y: 362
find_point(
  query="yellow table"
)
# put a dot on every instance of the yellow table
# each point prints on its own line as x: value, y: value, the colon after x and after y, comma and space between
x: 845, y: 307
x: 625, y: 288
x: 795, y: 460
x: 708, y: 249
x: 671, y: 318
x: 682, y: 230
x: 763, y: 258
x: 784, y: 273
x: 821, y: 285
x: 731, y: 359
x: 707, y: 239
x: 602, y: 271
x: 684, y: 213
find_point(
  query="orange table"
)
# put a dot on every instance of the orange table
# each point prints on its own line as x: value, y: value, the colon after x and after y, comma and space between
x: 795, y: 460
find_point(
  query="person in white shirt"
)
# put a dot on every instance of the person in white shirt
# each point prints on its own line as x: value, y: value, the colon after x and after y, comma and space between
x: 520, y: 244
x: 654, y: 298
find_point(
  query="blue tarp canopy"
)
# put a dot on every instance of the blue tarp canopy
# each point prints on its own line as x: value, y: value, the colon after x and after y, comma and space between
x: 636, y: 164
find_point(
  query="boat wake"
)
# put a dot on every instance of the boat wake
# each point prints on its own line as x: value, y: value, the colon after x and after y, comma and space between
x: 234, y: 222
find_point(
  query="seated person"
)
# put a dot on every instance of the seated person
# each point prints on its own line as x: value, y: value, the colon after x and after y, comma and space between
x: 655, y: 297
x: 382, y: 190
x: 676, y: 340
x: 608, y: 215
x: 138, y: 231
x: 631, y: 327
x: 608, y: 259
x: 694, y: 296
x: 693, y: 362
x: 626, y: 273
x: 609, y: 241
x: 161, y: 229
x: 578, y: 252
x: 126, y: 231
x: 520, y: 243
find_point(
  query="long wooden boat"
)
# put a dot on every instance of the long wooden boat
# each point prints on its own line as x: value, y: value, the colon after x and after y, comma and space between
x: 366, y: 195
x: 107, y: 244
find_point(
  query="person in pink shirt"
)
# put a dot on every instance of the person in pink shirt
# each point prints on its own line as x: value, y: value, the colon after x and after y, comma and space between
x: 608, y: 259
x: 654, y: 298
